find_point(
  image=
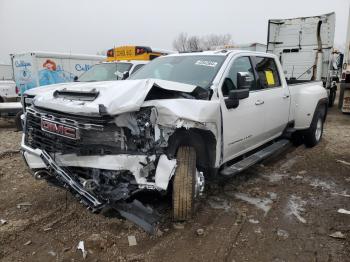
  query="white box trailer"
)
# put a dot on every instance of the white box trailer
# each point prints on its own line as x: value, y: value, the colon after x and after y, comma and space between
x: 304, y: 46
x: 35, y: 69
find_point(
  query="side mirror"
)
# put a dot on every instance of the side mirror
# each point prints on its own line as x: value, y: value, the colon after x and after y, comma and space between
x: 125, y: 75
x: 234, y: 96
x: 244, y: 80
x: 75, y: 79
x: 122, y: 76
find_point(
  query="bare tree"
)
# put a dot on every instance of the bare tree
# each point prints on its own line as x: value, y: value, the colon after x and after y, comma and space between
x: 212, y: 40
x: 194, y: 43
x: 180, y: 42
x: 183, y: 42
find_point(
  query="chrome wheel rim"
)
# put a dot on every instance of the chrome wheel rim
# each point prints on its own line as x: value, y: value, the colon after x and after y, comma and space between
x: 199, y: 184
x: 318, y: 131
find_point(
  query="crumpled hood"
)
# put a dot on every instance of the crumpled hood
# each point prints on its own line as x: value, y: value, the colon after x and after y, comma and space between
x: 115, y: 97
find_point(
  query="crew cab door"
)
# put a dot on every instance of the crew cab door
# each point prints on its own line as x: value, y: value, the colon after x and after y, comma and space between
x: 243, y: 125
x: 274, y: 95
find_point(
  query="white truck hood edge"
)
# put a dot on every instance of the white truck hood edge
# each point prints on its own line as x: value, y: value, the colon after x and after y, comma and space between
x: 116, y: 96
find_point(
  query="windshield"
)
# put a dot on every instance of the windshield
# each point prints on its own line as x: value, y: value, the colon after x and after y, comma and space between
x: 105, y: 72
x: 198, y: 70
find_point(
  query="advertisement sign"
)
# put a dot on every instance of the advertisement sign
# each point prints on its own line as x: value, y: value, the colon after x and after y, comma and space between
x: 31, y: 71
x: 24, y: 72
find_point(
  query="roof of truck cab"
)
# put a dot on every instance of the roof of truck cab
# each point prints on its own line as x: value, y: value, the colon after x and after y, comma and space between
x: 222, y: 52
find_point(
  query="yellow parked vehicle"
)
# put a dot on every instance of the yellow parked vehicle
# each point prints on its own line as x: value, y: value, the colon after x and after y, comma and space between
x: 135, y: 53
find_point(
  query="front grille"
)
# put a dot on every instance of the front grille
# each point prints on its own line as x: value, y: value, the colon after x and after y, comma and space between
x: 96, y: 136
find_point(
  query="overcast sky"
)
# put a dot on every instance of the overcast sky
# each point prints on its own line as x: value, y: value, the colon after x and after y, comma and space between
x: 87, y: 26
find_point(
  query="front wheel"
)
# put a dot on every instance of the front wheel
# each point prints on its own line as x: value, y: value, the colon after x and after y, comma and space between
x: 18, y: 121
x: 184, y: 184
x: 314, y: 134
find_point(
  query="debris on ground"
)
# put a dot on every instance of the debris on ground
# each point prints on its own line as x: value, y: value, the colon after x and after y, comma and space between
x: 200, y: 232
x: 258, y: 230
x: 253, y: 221
x: 27, y: 243
x: 343, y: 162
x: 3, y: 222
x: 52, y: 253
x: 338, y: 234
x: 24, y: 204
x: 178, y: 225
x: 81, y: 247
x: 302, y: 172
x: 282, y: 234
x: 132, y: 241
x: 296, y: 207
x: 343, y: 211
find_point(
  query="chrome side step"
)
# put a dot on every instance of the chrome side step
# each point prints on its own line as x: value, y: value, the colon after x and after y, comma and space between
x: 254, y: 158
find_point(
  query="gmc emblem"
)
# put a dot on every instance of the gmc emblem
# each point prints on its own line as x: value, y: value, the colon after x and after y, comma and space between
x: 59, y: 129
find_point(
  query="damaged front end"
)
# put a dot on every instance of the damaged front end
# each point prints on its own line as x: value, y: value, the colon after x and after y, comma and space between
x: 106, y: 159
x: 101, y: 160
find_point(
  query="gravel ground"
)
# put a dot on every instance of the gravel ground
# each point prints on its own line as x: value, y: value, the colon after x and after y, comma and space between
x: 282, y: 210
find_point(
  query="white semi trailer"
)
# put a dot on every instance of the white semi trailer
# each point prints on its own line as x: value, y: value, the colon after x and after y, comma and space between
x: 304, y: 47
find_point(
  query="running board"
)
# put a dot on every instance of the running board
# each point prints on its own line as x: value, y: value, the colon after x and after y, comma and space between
x: 254, y: 158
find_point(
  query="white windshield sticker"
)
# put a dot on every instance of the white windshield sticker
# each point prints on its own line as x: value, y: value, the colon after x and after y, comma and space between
x: 206, y: 63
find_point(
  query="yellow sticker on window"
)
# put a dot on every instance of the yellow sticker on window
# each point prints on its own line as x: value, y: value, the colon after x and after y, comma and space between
x: 269, y: 77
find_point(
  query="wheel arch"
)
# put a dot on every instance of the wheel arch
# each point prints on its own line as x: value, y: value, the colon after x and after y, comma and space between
x: 322, y: 105
x: 203, y: 141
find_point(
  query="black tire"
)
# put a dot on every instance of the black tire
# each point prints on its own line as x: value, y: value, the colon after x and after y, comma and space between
x: 184, y: 184
x: 313, y: 135
x: 18, y: 121
x: 331, y: 99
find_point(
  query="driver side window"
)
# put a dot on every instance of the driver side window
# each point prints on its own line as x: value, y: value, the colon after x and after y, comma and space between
x: 241, y: 76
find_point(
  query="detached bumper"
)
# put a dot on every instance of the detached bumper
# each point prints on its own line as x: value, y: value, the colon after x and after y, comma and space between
x: 134, y: 211
x: 36, y: 158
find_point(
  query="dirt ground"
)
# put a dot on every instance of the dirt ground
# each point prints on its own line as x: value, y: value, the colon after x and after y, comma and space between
x: 282, y: 210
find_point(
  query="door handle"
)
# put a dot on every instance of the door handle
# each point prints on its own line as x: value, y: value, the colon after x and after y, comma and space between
x: 259, y: 102
x: 285, y: 96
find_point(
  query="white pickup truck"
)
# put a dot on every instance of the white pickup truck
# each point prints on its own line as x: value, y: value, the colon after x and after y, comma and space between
x: 177, y: 121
